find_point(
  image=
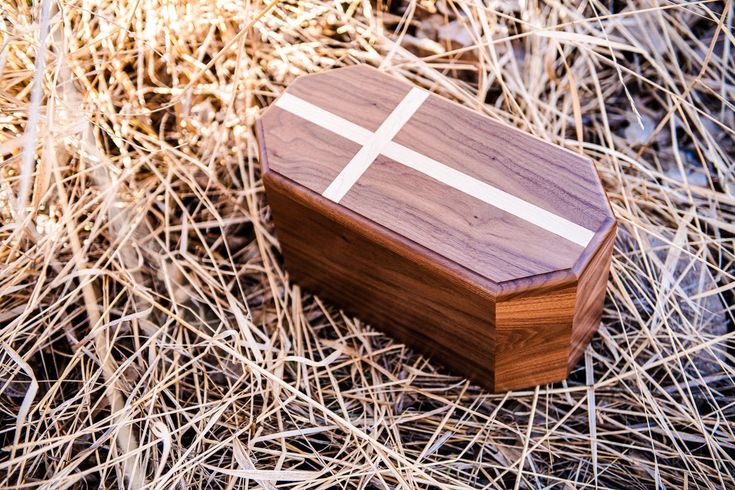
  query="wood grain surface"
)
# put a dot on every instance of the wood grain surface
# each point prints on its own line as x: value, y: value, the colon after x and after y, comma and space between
x: 465, y: 230
x: 590, y: 299
x: 348, y: 262
x: 476, y: 243
x: 533, y: 333
x: 548, y: 176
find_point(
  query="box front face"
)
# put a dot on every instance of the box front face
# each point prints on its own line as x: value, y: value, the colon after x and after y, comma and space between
x: 430, y: 309
x: 533, y: 338
x: 591, y: 298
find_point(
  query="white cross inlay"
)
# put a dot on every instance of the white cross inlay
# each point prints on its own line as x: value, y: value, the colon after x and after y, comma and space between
x: 381, y: 142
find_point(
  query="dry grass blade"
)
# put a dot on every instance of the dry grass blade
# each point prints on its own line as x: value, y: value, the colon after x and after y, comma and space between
x: 149, y: 334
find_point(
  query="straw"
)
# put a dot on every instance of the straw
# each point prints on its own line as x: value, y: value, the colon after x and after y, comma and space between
x: 150, y: 336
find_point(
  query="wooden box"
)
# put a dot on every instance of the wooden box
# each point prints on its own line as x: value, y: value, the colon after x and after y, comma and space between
x: 478, y: 244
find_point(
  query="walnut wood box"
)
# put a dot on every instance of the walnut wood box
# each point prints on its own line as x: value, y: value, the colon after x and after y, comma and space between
x: 478, y: 244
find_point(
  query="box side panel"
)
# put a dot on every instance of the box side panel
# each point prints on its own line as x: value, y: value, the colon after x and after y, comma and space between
x: 426, y: 308
x: 533, y: 334
x: 591, y: 298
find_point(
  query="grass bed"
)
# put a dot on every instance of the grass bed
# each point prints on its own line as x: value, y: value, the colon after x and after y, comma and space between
x: 150, y: 337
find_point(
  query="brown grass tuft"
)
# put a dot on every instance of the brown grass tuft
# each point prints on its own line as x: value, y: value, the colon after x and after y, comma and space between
x: 149, y: 335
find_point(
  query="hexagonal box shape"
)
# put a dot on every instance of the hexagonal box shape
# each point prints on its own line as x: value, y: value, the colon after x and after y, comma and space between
x: 474, y: 242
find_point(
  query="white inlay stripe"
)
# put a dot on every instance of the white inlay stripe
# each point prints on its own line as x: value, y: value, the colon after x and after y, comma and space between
x: 325, y: 119
x: 381, y: 142
x: 489, y: 194
x: 370, y: 151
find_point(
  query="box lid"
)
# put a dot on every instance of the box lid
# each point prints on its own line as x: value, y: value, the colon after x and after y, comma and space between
x: 490, y: 198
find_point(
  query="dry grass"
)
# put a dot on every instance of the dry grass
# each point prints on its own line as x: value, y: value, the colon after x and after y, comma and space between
x: 149, y: 334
